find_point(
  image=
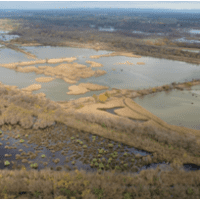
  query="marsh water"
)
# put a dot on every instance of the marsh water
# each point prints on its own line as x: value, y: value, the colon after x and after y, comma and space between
x: 155, y: 72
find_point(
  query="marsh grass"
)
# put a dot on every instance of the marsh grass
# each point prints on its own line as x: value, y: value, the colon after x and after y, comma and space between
x: 168, y: 146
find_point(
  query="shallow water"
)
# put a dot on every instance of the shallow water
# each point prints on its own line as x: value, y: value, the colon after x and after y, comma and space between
x: 181, y: 108
x: 5, y: 37
x: 69, y: 153
x: 195, y: 51
x: 185, y: 40
x: 194, y: 31
x: 155, y: 72
x: 110, y: 29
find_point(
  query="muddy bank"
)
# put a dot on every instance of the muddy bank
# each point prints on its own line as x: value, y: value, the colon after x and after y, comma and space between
x: 116, y: 54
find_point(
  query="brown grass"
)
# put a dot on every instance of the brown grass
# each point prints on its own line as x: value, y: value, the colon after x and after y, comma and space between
x: 165, y: 146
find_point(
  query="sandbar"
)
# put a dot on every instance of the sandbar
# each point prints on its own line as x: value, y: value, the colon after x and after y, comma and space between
x: 115, y: 54
x: 94, y: 64
x: 59, y: 60
x: 32, y: 87
x: 140, y: 63
x: 44, y: 79
x: 125, y: 63
x: 82, y: 88
x: 69, y: 72
x: 42, y: 61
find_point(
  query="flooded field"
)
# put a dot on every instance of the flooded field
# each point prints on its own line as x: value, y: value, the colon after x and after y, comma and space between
x: 179, y: 108
x: 122, y: 73
x: 136, y: 135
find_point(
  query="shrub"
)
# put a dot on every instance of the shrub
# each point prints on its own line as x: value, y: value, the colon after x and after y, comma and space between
x: 43, y: 156
x: 6, y: 163
x: 21, y: 141
x: 107, y: 95
x: 189, y: 84
x: 153, y: 89
x: 95, y: 96
x: 35, y: 165
x: 102, y: 98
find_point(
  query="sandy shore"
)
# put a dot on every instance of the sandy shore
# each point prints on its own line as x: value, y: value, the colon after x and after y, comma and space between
x: 115, y: 54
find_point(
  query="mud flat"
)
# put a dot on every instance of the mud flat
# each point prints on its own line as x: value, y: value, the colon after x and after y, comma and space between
x: 44, y: 79
x: 85, y: 87
x: 115, y: 54
x: 125, y: 63
x: 94, y: 64
x: 140, y: 63
x: 32, y: 87
x: 60, y: 60
x: 50, y: 61
x: 14, y: 65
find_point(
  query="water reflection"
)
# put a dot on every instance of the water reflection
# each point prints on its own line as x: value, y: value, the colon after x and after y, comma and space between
x: 155, y: 72
x: 183, y: 39
x: 179, y: 108
x: 194, y: 31
x: 140, y: 32
x: 110, y: 29
x: 5, y: 37
x: 68, y: 153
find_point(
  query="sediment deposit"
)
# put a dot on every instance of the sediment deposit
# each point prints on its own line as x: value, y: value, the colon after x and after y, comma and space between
x: 115, y: 54
x: 82, y: 88
x: 44, y: 79
x: 94, y: 64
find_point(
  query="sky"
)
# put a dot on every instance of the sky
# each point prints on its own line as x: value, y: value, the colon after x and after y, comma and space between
x: 178, y: 5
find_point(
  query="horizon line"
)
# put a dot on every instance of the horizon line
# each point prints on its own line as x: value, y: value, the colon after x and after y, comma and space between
x: 95, y: 8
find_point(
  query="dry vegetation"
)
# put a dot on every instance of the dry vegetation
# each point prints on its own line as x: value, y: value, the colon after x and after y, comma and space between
x: 36, y: 116
x: 18, y: 109
x: 73, y: 28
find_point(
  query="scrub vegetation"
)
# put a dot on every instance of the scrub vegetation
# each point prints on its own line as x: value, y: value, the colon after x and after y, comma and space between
x: 29, y: 115
x: 146, y: 33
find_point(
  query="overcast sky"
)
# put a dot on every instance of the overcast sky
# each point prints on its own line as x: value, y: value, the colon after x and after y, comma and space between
x: 99, y: 4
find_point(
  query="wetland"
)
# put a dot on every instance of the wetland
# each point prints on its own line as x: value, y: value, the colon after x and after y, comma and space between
x: 96, y: 122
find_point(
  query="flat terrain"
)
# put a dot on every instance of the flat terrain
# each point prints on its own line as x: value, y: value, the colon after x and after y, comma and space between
x: 113, y: 147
